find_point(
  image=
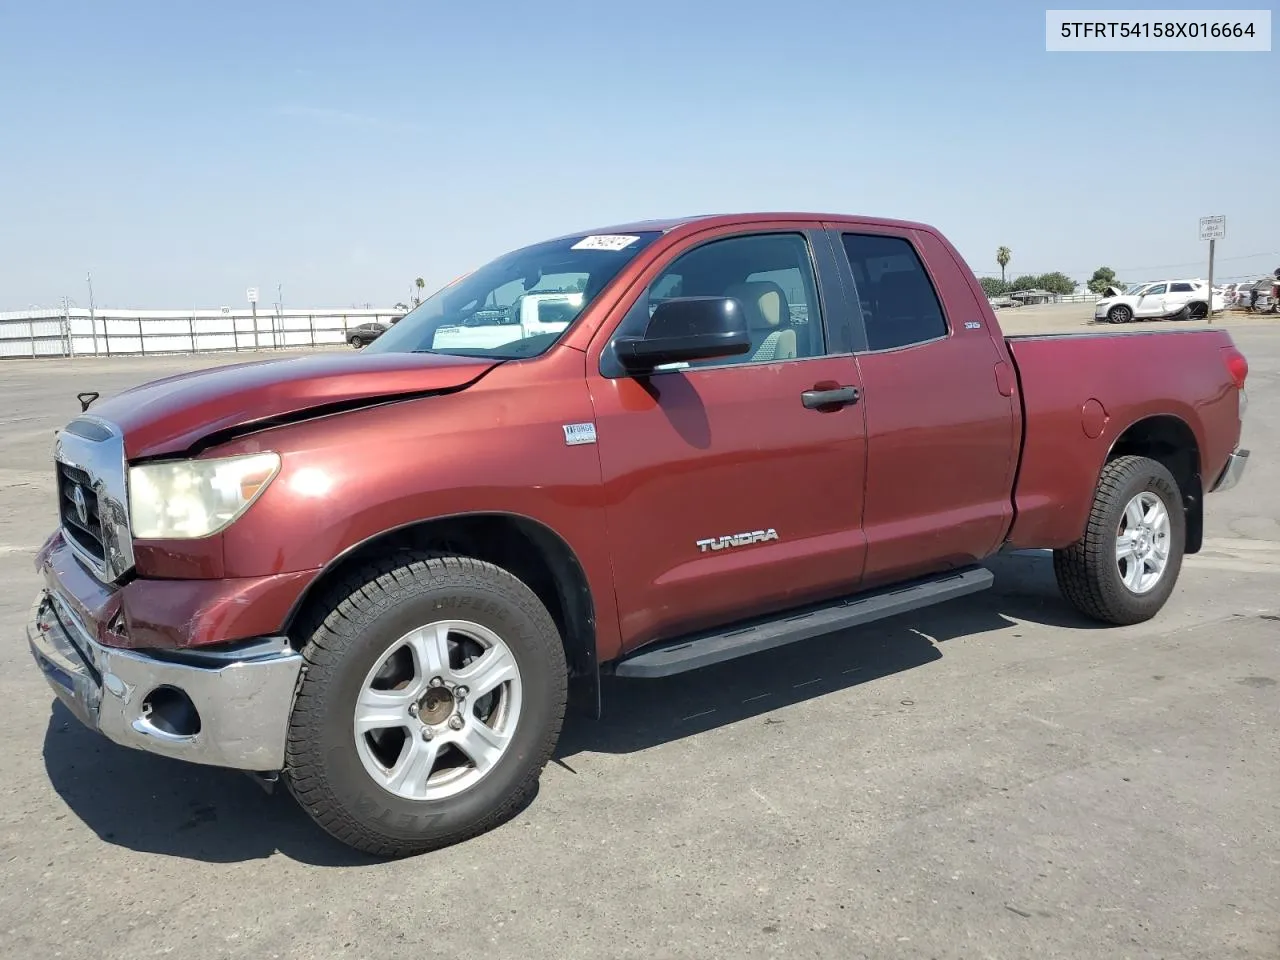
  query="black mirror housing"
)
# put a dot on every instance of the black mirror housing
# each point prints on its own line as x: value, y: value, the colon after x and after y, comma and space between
x: 685, y: 329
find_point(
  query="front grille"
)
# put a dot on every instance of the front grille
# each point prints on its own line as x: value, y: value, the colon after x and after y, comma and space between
x: 75, y: 487
x: 93, y: 496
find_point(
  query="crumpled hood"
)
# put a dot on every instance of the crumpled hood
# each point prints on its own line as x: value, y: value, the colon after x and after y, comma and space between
x: 170, y: 415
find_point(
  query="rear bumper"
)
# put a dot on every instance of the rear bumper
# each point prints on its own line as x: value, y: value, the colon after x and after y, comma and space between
x: 1232, y: 472
x: 224, y: 708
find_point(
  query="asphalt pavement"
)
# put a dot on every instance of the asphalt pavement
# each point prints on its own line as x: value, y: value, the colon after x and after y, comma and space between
x: 996, y: 777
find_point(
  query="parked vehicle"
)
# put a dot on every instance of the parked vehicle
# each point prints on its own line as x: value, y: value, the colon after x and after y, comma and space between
x: 1265, y: 296
x: 1162, y: 300
x: 379, y: 576
x: 365, y: 333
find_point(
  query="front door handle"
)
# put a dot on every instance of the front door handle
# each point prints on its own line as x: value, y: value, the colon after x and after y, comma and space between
x: 832, y: 399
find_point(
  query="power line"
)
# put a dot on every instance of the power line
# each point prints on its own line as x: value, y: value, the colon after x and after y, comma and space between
x: 1163, y: 266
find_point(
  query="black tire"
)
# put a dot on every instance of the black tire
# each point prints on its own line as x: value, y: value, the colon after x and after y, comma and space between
x: 352, y: 626
x: 1119, y: 314
x: 1087, y: 571
x: 1197, y: 311
x: 356, y: 342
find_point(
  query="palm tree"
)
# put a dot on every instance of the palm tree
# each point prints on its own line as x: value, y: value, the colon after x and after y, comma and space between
x: 418, y: 284
x: 1003, y: 256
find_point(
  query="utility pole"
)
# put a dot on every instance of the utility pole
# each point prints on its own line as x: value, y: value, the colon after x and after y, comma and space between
x: 93, y: 322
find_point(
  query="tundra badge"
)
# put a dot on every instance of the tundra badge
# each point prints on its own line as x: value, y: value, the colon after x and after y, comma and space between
x: 738, y: 540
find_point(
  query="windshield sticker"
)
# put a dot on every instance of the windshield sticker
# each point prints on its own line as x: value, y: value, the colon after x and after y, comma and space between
x: 605, y: 241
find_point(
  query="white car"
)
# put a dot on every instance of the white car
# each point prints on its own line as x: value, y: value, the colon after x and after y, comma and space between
x: 1159, y: 300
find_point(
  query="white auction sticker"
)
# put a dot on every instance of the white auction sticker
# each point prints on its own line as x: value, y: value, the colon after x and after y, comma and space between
x: 605, y: 241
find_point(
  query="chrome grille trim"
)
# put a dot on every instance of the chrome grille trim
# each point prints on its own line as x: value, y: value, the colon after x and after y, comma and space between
x: 98, y: 467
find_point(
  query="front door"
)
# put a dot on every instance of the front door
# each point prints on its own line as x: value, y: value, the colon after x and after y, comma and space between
x: 725, y: 496
x: 1151, y: 303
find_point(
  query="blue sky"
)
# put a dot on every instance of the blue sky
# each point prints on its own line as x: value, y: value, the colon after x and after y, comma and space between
x: 182, y: 151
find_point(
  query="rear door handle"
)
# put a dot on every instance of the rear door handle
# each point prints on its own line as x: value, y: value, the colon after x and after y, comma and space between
x: 832, y: 399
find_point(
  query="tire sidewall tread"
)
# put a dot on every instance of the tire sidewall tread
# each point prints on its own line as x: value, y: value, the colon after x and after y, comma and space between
x: 1086, y: 571
x: 352, y: 626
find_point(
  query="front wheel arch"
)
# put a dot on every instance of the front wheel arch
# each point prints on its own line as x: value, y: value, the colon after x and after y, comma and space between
x: 526, y: 548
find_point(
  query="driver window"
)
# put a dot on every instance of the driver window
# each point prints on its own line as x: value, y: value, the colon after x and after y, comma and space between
x: 771, y: 275
x: 1158, y: 289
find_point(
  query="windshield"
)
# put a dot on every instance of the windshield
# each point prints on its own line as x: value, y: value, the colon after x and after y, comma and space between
x: 518, y: 305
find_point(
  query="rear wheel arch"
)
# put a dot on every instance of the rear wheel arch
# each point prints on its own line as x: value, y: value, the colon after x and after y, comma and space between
x: 526, y: 548
x: 1168, y: 439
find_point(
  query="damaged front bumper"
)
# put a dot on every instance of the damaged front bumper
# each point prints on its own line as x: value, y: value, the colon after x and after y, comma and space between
x: 227, y: 707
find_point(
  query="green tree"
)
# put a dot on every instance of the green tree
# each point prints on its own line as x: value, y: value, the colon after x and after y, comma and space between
x: 1056, y: 282
x: 1003, y: 256
x: 993, y: 287
x: 1102, y: 278
x: 1024, y: 282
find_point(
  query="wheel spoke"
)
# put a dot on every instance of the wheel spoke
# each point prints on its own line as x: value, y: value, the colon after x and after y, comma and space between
x: 1133, y: 574
x: 1152, y: 514
x: 481, y: 743
x: 1124, y: 547
x: 494, y: 668
x: 1161, y: 526
x: 430, y: 646
x: 380, y: 709
x: 1133, y: 514
x: 417, y: 758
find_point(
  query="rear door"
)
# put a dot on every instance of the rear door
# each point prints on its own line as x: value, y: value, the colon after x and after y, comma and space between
x: 726, y: 496
x: 1180, y: 294
x: 942, y: 421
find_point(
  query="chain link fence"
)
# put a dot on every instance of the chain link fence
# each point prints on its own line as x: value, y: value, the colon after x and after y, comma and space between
x: 78, y: 333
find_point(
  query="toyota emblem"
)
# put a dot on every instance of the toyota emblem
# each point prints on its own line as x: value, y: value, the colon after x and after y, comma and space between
x: 78, y: 501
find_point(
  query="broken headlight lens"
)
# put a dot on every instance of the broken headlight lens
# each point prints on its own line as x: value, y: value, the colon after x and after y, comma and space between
x: 182, y: 499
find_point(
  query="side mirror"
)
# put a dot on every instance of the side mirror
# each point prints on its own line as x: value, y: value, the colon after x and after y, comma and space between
x: 685, y: 329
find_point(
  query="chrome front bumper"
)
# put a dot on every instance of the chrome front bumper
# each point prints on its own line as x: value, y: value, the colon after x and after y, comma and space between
x: 1232, y: 472
x: 242, y: 698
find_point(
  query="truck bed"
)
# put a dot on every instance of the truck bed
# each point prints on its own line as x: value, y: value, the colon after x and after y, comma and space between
x: 1075, y: 384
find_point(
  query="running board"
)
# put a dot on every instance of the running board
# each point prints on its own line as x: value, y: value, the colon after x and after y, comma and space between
x: 701, y: 650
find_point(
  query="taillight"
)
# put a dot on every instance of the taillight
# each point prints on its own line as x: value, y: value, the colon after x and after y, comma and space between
x: 1237, y: 366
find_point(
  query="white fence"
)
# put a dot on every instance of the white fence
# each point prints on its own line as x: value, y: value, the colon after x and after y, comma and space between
x: 76, y: 333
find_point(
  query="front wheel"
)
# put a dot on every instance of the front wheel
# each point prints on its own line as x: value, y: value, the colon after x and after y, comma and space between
x: 1125, y: 566
x: 1119, y: 314
x: 433, y: 695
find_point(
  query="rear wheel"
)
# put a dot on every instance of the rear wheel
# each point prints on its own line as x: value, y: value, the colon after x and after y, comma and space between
x: 1197, y: 311
x: 1125, y: 566
x: 432, y: 698
x: 1119, y: 314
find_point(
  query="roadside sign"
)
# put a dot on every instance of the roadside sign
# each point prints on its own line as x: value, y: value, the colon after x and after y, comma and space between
x: 252, y: 294
x: 1213, y: 228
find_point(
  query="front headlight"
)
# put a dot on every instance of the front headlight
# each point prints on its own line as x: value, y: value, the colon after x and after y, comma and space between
x: 181, y: 499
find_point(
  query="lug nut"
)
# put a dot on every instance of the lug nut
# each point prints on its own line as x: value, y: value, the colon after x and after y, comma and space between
x: 436, y: 682
x: 455, y: 722
x: 426, y: 733
x: 461, y: 693
x: 413, y: 709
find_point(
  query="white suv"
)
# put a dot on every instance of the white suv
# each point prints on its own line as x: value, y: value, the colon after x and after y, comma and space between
x: 1160, y: 300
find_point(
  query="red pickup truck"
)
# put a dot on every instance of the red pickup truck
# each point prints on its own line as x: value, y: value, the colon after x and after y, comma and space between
x: 381, y: 576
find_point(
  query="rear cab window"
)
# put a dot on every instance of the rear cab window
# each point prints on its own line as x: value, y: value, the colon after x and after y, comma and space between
x: 900, y: 307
